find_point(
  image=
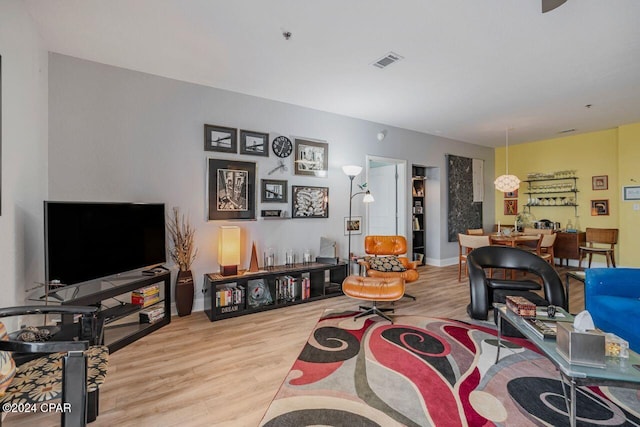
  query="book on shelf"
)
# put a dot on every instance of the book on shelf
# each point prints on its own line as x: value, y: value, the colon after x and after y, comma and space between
x: 541, y: 328
x: 258, y: 293
x: 230, y: 294
x: 151, y: 314
x: 145, y: 301
x: 147, y: 290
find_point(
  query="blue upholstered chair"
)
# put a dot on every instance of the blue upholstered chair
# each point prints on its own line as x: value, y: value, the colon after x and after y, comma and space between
x: 612, y: 297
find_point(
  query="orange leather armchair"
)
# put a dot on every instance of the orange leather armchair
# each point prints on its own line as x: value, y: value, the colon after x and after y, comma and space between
x: 385, y: 246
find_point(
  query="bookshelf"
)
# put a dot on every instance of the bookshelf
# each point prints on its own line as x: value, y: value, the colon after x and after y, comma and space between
x: 418, y: 177
x: 279, y: 286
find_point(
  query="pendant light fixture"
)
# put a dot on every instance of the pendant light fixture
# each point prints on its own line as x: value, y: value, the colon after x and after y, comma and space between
x: 507, y: 183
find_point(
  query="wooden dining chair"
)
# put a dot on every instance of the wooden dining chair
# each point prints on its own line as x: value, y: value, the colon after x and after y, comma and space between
x: 545, y: 250
x: 467, y: 243
x: 599, y: 241
x: 475, y: 231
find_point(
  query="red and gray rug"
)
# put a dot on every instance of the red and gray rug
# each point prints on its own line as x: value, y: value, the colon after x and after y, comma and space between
x: 424, y: 371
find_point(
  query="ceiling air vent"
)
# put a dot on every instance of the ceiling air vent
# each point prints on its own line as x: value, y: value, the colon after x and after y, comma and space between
x: 387, y: 60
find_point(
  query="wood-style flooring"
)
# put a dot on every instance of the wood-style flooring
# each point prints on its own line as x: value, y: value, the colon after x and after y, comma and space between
x: 194, y: 372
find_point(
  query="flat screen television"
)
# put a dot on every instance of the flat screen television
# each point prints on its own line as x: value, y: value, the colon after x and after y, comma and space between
x: 85, y: 241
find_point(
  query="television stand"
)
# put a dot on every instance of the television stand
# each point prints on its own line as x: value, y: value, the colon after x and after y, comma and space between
x: 122, y: 323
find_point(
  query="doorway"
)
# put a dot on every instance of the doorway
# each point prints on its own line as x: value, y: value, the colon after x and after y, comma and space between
x: 387, y: 180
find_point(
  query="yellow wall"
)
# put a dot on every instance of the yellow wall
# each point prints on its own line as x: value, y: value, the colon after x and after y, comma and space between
x: 612, y: 152
x: 629, y: 174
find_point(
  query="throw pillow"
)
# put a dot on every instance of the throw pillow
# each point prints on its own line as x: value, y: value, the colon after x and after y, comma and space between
x: 7, y: 365
x: 385, y: 263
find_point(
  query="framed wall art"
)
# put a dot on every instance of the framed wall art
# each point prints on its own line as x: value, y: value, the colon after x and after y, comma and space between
x: 599, y: 207
x: 354, y: 225
x: 231, y: 189
x: 600, y: 182
x: 312, y: 158
x: 309, y: 202
x: 511, y: 194
x: 254, y: 143
x: 273, y: 191
x: 631, y: 192
x: 511, y: 207
x: 221, y: 139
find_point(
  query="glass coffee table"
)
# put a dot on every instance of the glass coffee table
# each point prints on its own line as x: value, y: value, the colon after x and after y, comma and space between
x: 618, y: 372
x: 577, y: 275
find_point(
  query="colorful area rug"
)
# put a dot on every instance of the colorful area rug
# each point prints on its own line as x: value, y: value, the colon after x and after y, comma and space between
x: 424, y: 371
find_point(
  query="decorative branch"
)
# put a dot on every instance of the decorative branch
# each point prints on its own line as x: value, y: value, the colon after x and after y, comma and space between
x: 181, y: 233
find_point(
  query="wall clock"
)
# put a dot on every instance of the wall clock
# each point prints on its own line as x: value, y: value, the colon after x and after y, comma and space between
x: 282, y: 146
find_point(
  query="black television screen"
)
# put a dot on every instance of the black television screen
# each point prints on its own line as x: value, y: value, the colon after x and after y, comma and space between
x: 86, y: 241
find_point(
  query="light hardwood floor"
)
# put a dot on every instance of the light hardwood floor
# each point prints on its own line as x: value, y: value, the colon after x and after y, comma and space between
x: 194, y: 372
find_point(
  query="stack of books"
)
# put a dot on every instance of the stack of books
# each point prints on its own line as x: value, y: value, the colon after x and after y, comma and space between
x: 146, y: 296
x: 286, y: 289
x: 151, y: 314
x: 230, y: 294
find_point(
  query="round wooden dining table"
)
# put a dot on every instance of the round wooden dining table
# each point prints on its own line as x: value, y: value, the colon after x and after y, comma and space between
x: 512, y: 239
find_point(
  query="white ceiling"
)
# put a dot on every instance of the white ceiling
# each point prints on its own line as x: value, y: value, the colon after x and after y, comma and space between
x: 472, y: 68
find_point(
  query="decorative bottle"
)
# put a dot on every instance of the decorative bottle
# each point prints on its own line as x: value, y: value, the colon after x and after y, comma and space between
x: 569, y: 225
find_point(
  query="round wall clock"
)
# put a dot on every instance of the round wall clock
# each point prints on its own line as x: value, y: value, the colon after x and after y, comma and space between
x: 282, y: 146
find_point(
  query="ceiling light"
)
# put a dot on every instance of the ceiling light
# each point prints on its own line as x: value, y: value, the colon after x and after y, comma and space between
x: 507, y: 183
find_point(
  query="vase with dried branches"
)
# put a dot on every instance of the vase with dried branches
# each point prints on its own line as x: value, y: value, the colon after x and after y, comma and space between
x: 183, y: 252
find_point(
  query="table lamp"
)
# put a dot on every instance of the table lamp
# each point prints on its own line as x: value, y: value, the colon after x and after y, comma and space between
x: 229, y: 250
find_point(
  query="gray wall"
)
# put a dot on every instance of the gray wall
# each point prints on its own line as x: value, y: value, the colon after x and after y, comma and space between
x: 120, y: 135
x: 24, y: 153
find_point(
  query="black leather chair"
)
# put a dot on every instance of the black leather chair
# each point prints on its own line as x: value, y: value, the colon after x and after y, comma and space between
x: 482, y: 288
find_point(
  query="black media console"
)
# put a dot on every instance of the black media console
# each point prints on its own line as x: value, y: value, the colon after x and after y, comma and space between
x: 122, y: 320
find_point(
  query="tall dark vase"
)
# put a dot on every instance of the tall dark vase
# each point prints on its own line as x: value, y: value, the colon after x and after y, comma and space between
x: 184, y: 293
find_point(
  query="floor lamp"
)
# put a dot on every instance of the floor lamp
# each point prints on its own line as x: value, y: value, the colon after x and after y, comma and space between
x: 353, y: 171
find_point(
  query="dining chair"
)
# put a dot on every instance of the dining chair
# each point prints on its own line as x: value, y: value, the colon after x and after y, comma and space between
x: 467, y: 243
x: 475, y: 231
x: 599, y: 241
x: 546, y: 247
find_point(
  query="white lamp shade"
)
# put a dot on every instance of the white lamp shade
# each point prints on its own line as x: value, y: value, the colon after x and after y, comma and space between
x: 507, y: 183
x: 229, y: 245
x: 351, y: 170
x: 368, y: 198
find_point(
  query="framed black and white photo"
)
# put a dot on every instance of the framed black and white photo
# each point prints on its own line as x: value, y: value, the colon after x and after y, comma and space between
x: 599, y: 207
x: 273, y: 191
x: 254, y: 143
x: 221, y: 139
x: 354, y: 225
x: 309, y: 202
x: 231, y: 189
x: 312, y: 158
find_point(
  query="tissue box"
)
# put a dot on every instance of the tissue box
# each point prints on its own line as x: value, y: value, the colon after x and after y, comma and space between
x: 616, y: 346
x: 580, y: 348
x: 521, y: 306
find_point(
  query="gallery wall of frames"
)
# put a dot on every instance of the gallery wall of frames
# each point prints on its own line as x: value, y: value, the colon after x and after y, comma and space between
x: 232, y: 187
